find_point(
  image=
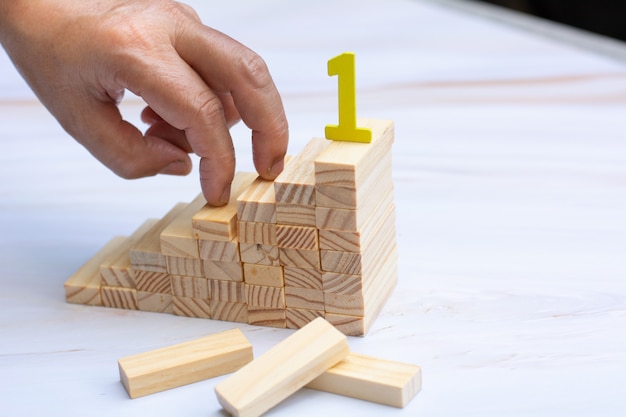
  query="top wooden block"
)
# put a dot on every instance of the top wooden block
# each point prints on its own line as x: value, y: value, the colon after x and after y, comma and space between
x: 347, y: 164
x: 177, y: 239
x: 257, y: 203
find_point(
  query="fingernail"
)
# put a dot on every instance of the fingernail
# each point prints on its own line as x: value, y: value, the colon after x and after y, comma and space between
x: 225, y: 195
x: 277, y: 168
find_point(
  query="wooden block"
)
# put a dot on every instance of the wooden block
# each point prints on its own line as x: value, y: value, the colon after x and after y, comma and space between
x: 184, y: 363
x: 217, y: 250
x: 220, y: 223
x: 257, y: 202
x: 345, y: 284
x: 116, y: 271
x: 298, y: 317
x: 223, y: 310
x: 146, y: 254
x: 264, y: 296
x: 268, y: 275
x: 303, y: 277
x: 190, y: 267
x: 297, y: 237
x: 190, y: 287
x: 83, y: 287
x: 347, y: 164
x: 149, y: 281
x: 351, y: 220
x: 191, y: 307
x: 376, y: 183
x: 305, y: 298
x: 154, y: 302
x: 229, y: 291
x: 266, y: 316
x: 296, y: 184
x: 178, y: 237
x: 302, y: 258
x: 371, y: 379
x: 295, y: 214
x: 257, y: 233
x: 282, y: 370
x: 226, y: 271
x: 254, y: 253
x: 119, y: 297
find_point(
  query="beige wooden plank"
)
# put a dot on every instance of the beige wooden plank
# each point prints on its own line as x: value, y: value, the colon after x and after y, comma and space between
x: 227, y: 271
x: 371, y: 379
x: 297, y: 237
x: 146, y: 254
x: 268, y: 275
x: 257, y: 202
x: 282, y: 370
x: 351, y: 220
x: 178, y: 237
x: 267, y: 316
x: 149, y: 281
x: 257, y: 233
x: 302, y: 258
x: 218, y: 250
x: 305, y: 298
x: 303, y: 277
x: 191, y: 307
x: 225, y: 311
x: 178, y: 265
x: 119, y: 297
x: 298, y: 317
x: 265, y: 296
x: 255, y: 253
x: 346, y: 284
x: 154, y: 302
x: 83, y: 287
x: 229, y: 291
x: 295, y: 214
x: 190, y: 287
x: 220, y: 223
x: 296, y: 184
x: 184, y: 363
x: 347, y: 164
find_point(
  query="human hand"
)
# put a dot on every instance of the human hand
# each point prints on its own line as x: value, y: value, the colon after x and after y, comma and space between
x: 80, y: 56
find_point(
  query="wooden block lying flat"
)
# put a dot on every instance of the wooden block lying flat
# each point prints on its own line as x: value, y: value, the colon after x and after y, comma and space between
x: 371, y: 379
x: 220, y: 223
x: 191, y: 287
x: 296, y: 184
x: 257, y: 203
x: 191, y: 307
x: 146, y: 254
x: 83, y: 287
x: 229, y: 291
x: 154, y: 302
x: 184, y: 363
x: 267, y: 316
x: 347, y: 164
x: 190, y: 267
x: 295, y: 214
x: 223, y: 310
x: 305, y: 298
x: 257, y: 233
x: 271, y: 276
x: 303, y: 277
x: 264, y: 296
x: 217, y: 250
x: 282, y: 370
x: 301, y: 258
x: 297, y: 317
x: 227, y: 271
x: 297, y: 237
x: 254, y: 253
x: 178, y: 238
x: 149, y: 281
x: 119, y: 297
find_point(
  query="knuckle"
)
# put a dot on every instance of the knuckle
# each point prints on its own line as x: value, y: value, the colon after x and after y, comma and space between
x: 254, y: 69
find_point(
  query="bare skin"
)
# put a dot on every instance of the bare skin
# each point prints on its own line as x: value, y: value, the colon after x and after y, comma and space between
x: 80, y: 56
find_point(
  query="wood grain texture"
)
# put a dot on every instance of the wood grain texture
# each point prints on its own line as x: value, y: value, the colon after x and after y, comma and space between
x: 184, y: 363
x: 226, y: 311
x: 257, y: 203
x: 297, y: 237
x: 190, y: 287
x: 218, y: 250
x: 302, y: 258
x: 267, y: 316
x: 178, y: 265
x: 191, y: 307
x: 146, y: 254
x: 257, y: 233
x: 154, y: 302
x: 119, y: 297
x: 347, y: 164
x: 296, y: 184
x: 178, y: 237
x: 282, y: 370
x: 83, y: 287
x: 220, y: 223
x: 149, y: 281
x: 303, y: 277
x: 272, y: 276
x: 229, y: 291
x: 265, y: 296
x: 351, y: 220
x: 295, y: 214
x: 305, y: 298
x: 227, y: 271
x: 371, y: 379
x: 254, y: 253
x: 298, y: 317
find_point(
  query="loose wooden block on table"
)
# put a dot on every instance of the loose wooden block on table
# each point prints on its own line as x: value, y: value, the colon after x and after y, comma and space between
x: 218, y: 250
x: 154, y: 302
x: 119, y: 297
x: 282, y: 370
x: 297, y: 237
x: 146, y: 254
x: 371, y: 379
x: 184, y: 363
x: 257, y: 233
x: 156, y: 282
x: 83, y: 287
x: 272, y: 276
x: 226, y: 271
x: 178, y: 237
x: 191, y: 307
x: 255, y: 253
x: 220, y: 223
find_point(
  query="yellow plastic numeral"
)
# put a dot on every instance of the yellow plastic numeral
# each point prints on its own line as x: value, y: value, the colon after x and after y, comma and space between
x: 343, y: 67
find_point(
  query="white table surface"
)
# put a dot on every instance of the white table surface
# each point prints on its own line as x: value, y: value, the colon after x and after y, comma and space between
x: 510, y: 175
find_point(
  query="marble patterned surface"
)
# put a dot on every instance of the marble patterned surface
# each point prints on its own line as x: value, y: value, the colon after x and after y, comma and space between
x: 510, y: 175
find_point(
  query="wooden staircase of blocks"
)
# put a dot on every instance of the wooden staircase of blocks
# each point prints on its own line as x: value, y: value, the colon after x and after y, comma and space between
x: 319, y: 241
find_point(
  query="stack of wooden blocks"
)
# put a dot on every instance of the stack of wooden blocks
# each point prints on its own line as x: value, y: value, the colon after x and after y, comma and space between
x: 319, y: 241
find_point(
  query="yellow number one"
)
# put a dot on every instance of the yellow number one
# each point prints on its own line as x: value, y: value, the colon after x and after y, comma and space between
x: 343, y: 67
